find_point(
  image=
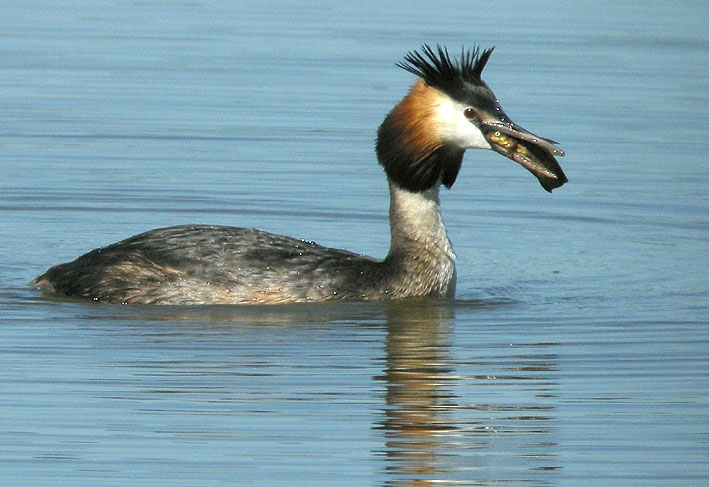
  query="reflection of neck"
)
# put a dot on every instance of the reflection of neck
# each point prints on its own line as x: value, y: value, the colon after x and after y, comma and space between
x: 420, y: 252
x: 418, y: 377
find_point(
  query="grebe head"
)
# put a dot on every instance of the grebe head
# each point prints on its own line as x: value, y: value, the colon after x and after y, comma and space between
x: 451, y: 109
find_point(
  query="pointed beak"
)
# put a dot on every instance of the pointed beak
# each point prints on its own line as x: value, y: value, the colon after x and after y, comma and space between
x: 534, y: 153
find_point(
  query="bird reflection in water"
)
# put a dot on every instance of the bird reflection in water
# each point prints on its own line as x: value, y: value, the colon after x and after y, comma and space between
x: 436, y: 437
x: 417, y: 351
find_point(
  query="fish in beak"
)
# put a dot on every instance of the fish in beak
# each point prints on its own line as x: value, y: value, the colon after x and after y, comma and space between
x: 534, y: 153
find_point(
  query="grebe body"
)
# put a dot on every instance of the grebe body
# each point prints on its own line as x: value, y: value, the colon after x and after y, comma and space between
x: 420, y: 145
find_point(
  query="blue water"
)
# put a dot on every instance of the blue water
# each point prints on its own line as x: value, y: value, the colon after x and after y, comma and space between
x: 575, y: 354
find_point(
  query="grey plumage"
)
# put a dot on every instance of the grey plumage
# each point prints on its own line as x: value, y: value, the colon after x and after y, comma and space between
x: 213, y: 264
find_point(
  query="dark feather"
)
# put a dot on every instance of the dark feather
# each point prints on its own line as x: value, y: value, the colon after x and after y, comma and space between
x: 440, y: 71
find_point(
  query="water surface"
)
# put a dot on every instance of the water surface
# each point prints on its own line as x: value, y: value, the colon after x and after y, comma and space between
x: 574, y: 354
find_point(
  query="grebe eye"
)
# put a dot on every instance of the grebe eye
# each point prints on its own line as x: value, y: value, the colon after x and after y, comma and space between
x: 470, y: 113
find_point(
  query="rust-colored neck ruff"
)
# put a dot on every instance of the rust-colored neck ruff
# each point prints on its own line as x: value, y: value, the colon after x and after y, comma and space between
x: 409, y: 146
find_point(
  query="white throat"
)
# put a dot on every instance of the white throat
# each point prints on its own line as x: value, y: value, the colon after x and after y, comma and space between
x: 452, y: 126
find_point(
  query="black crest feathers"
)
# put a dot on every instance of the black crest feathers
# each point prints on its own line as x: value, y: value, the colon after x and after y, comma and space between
x: 437, y: 68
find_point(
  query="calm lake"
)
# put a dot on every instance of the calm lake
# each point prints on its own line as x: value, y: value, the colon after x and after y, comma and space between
x: 575, y: 354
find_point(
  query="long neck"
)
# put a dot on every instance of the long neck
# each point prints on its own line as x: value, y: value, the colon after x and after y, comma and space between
x: 421, y: 256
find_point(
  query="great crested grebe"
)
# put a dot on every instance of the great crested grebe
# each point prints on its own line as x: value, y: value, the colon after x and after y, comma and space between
x: 420, y: 144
